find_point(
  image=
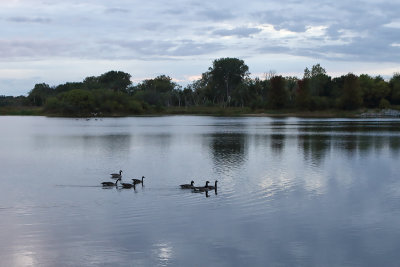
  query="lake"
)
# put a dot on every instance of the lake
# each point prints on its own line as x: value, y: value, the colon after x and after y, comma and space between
x: 291, y: 191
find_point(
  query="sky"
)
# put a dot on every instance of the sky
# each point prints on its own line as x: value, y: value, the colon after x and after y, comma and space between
x: 55, y: 41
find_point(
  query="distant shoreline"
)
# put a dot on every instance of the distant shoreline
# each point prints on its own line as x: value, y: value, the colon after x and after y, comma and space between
x: 216, y: 111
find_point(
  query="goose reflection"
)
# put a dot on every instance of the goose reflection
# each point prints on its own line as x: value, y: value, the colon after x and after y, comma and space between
x: 201, y: 190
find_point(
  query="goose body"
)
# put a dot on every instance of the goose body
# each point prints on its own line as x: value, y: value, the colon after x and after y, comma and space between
x: 187, y: 186
x: 137, y: 181
x: 116, y: 175
x: 213, y: 187
x: 127, y: 186
x: 111, y: 183
x: 201, y: 188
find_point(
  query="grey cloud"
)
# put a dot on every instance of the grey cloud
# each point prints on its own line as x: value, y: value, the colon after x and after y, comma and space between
x: 371, y: 48
x: 215, y: 14
x: 155, y: 29
x: 176, y: 11
x: 275, y: 49
x: 281, y: 19
x: 143, y: 47
x: 117, y: 10
x: 150, y: 48
x: 153, y: 26
x: 29, y: 20
x: 240, y: 32
x: 105, y: 49
x: 190, y: 48
x: 33, y: 48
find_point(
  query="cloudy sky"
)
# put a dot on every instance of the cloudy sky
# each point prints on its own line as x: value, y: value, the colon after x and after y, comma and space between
x: 55, y: 41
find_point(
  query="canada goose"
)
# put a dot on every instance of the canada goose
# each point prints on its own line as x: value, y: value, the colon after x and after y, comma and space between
x: 116, y: 175
x: 213, y: 187
x: 111, y: 183
x: 137, y: 181
x: 187, y: 186
x: 201, y: 188
x: 125, y: 185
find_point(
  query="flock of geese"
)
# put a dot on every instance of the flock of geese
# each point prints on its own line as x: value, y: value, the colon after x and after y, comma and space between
x: 118, y: 177
x: 195, y: 189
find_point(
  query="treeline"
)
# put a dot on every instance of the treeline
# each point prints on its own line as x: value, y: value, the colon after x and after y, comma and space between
x: 227, y: 83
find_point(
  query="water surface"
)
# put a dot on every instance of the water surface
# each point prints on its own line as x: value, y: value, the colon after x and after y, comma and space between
x: 292, y: 192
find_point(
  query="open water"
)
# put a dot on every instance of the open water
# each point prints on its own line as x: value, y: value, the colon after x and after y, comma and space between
x: 291, y: 192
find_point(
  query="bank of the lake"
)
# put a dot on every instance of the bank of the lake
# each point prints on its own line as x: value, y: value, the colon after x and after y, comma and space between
x: 199, y: 110
x: 21, y: 111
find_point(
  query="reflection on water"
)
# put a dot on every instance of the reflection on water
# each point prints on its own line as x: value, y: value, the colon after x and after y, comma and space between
x: 314, y: 147
x: 228, y: 150
x: 291, y: 192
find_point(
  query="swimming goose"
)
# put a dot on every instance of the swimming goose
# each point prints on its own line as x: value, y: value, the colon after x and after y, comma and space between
x: 111, y: 183
x: 137, y: 181
x: 125, y: 185
x: 201, y: 188
x: 187, y: 186
x: 213, y: 187
x: 116, y: 175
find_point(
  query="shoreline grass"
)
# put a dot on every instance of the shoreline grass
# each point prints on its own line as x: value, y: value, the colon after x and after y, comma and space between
x: 21, y: 111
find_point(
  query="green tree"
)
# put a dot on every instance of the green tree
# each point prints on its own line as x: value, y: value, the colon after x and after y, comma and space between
x: 69, y: 86
x: 395, y: 89
x: 255, y: 92
x: 303, y: 97
x: 351, y: 94
x: 373, y: 90
x: 319, y: 81
x: 225, y: 75
x: 38, y: 95
x: 159, y: 91
x: 317, y: 70
x: 92, y: 83
x: 241, y: 94
x: 115, y: 80
x: 307, y: 74
x: 291, y: 87
x: 277, y: 96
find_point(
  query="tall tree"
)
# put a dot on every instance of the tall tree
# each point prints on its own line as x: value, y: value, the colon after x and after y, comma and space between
x: 226, y: 74
x: 159, y: 91
x: 277, y: 95
x: 38, y: 95
x: 319, y: 81
x: 303, y: 94
x: 351, y: 95
x: 373, y: 90
x: 116, y: 80
x: 395, y: 89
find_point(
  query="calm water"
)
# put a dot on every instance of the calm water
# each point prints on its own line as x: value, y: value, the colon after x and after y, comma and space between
x: 292, y: 192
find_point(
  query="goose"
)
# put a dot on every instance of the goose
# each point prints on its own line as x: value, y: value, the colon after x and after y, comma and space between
x: 111, y: 183
x: 213, y: 187
x: 137, y: 181
x: 125, y: 185
x: 187, y: 186
x: 201, y: 188
x: 116, y: 175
